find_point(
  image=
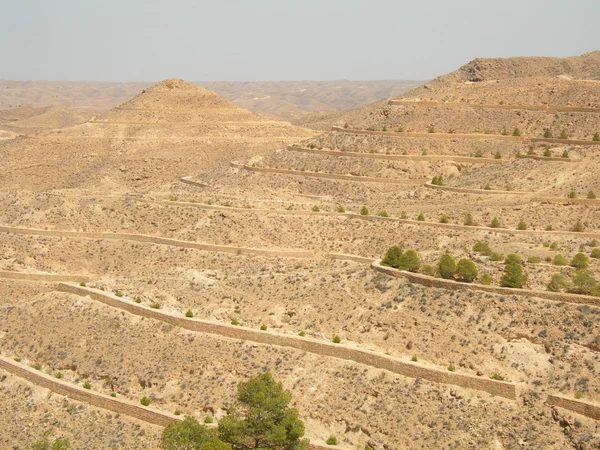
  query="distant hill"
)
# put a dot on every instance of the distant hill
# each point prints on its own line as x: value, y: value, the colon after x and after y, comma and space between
x: 270, y: 97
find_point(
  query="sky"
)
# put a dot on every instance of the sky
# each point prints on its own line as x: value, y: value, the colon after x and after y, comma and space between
x: 275, y: 40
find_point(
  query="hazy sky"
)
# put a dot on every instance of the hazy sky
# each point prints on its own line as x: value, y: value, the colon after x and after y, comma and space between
x: 252, y: 40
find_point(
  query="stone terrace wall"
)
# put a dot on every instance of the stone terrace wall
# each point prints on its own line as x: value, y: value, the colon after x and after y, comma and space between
x: 577, y: 406
x: 408, y: 369
x: 463, y: 159
x: 119, y: 406
x: 455, y: 286
x: 162, y: 241
x: 49, y: 277
x: 546, y: 108
x: 473, y: 191
x: 329, y: 176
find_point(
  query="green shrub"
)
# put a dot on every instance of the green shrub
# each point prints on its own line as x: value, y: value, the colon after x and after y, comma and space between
x: 497, y: 155
x: 118, y: 293
x: 438, y: 180
x: 331, y: 440
x: 138, y: 300
x: 548, y: 153
x: 572, y: 194
x: 410, y: 261
x: 263, y: 328
x: 478, y: 154
x: 522, y: 225
x: 504, y: 132
x: 548, y: 133
x: 466, y: 271
x: 341, y: 209
x: 565, y: 154
x: 534, y: 260
x: 189, y: 313
x: 596, y: 137
x: 485, y: 279
x: 399, y: 130
x: 513, y: 258
x: 301, y: 334
x: 447, y: 267
x: 469, y: 220
x: 495, y: 256
x: 315, y: 208
x: 451, y: 368
x: 431, y: 129
x: 487, y: 187
x: 145, y: 401
x: 414, y: 358
x: 189, y: 434
x: 428, y: 270
x: 384, y: 128
x: 580, y: 261
x: 591, y: 195
x: 564, y: 134
x: 46, y: 443
x: 82, y: 284
x: 87, y: 385
x: 554, y: 246
x: 392, y: 257
x: 584, y: 283
x: 495, y: 223
x: 443, y: 218
x: 37, y: 366
x: 578, y: 228
x: 595, y: 253
x: 383, y: 213
x: 559, y: 260
x: 558, y: 282
x: 59, y: 375
x: 516, y: 132
x: 113, y: 394
x: 421, y: 218
x: 155, y: 305
x: 208, y: 419
x: 549, y: 228
x: 337, y: 339
x: 483, y: 248
x: 364, y: 211
x: 513, y: 276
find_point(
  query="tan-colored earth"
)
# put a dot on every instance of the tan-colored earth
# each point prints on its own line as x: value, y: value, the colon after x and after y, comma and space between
x: 105, y: 200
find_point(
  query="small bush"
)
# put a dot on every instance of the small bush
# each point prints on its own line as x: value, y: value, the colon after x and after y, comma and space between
x: 410, y: 261
x: 341, y: 209
x: 495, y: 256
x: 82, y: 284
x: 113, y: 394
x: 548, y: 153
x: 469, y: 220
x: 516, y: 132
x: 235, y: 322
x: 559, y: 260
x: 87, y: 385
x: 414, y: 358
x: 399, y: 130
x: 138, y: 300
x: 337, y: 339
x: 513, y: 258
x: 497, y: 377
x: 485, y: 279
x: 145, y: 401
x: 331, y: 440
x: 301, y: 334
x: 189, y: 313
x: 443, y: 218
x: 558, y: 282
x: 591, y: 195
x: 504, y: 132
x: 155, y: 305
x: 421, y: 218
x: 208, y: 419
x: 531, y: 151
x: 584, y: 283
x: 466, y: 271
x: 447, y: 267
x: 487, y: 187
x: 548, y: 133
x: 428, y: 270
x: 580, y: 261
x: 451, y: 368
x: 534, y: 260
x: 495, y: 223
x: 59, y: 375
x: 554, y: 246
x: 383, y: 213
x: 451, y: 131
x: 263, y: 328
x: 37, y: 366
x: 565, y: 154
x: 118, y: 293
x: 595, y: 253
x: 596, y: 137
x: 513, y: 276
x: 522, y: 225
x: 564, y: 134
x: 392, y: 257
x: 384, y: 128
x: 572, y: 194
x: 438, y: 180
x: 578, y: 395
x: 578, y: 228
x: 431, y: 129
x: 478, y: 154
x: 549, y: 228
x: 315, y: 208
x: 497, y: 155
x: 364, y: 211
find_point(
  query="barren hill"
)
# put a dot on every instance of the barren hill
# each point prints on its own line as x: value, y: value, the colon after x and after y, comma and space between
x: 265, y: 259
